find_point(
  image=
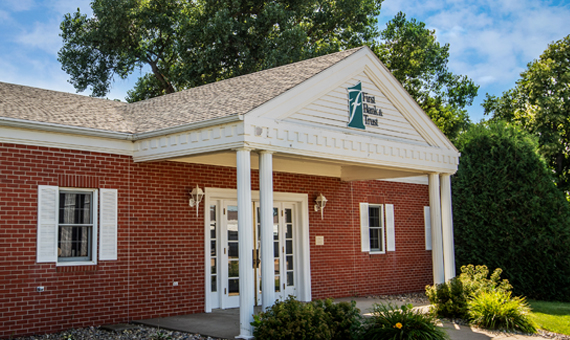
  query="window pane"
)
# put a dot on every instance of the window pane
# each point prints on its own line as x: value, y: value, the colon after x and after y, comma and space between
x: 288, y: 247
x: 74, y: 208
x: 214, y: 287
x: 289, y: 231
x: 290, y: 279
x: 233, y: 268
x: 276, y: 266
x: 213, y: 266
x: 233, y: 286
x: 374, y: 215
x: 276, y: 249
x: 288, y: 216
x: 74, y: 242
x: 374, y: 239
x: 289, y: 262
x: 213, y: 248
x: 277, y: 283
x: 233, y: 250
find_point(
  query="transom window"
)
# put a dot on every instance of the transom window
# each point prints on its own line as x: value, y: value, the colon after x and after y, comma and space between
x: 376, y: 228
x: 75, y: 227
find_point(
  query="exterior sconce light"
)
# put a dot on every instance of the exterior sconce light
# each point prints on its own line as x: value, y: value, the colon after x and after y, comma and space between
x: 196, y: 196
x: 320, y: 203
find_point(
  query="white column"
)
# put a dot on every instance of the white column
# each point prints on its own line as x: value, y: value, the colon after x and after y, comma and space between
x: 447, y: 227
x: 245, y: 235
x: 436, y: 233
x: 266, y: 212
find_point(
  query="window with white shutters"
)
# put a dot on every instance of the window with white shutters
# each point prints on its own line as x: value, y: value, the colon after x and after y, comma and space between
x: 68, y: 225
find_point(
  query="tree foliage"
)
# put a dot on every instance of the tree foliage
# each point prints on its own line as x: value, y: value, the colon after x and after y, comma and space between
x: 187, y: 43
x: 540, y: 103
x: 508, y: 212
x: 413, y: 55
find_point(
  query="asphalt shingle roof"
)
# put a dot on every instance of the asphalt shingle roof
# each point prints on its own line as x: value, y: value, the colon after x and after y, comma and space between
x: 224, y: 98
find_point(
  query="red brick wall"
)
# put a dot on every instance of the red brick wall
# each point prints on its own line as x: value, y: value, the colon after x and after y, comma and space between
x: 161, y: 240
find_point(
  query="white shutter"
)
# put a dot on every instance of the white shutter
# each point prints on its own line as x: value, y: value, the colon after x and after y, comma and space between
x: 427, y: 221
x: 48, y: 198
x: 364, y: 230
x: 390, y: 228
x: 108, y: 224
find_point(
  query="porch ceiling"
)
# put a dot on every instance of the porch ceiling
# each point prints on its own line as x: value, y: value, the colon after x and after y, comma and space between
x: 346, y: 171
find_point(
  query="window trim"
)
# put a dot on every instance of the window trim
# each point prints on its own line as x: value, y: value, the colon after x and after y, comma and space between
x: 94, y: 229
x: 382, y: 228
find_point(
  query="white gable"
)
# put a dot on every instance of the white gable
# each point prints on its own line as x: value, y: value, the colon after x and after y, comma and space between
x: 332, y: 109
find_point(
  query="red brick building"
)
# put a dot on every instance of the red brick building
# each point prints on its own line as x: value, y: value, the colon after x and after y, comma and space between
x: 326, y: 161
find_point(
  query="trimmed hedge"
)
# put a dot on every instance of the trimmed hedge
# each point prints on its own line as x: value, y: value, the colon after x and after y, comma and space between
x: 508, y: 212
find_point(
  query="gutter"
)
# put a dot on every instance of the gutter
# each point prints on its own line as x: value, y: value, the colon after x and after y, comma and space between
x: 77, y: 130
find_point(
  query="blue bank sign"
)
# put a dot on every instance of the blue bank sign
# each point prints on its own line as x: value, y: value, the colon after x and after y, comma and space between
x: 362, y: 108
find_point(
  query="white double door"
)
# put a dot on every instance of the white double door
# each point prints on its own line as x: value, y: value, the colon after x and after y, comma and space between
x: 225, y: 250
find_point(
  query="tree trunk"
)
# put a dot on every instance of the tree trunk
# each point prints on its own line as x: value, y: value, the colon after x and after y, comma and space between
x: 166, y: 85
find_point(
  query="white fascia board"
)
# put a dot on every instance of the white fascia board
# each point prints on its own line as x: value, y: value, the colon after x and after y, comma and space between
x: 188, y: 127
x: 66, y: 141
x: 299, y: 139
x: 191, y: 142
x: 65, y: 129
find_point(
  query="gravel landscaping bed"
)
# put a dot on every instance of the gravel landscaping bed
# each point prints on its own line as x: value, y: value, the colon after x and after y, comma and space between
x: 137, y: 332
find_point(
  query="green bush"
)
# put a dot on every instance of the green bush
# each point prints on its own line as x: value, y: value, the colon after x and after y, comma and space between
x: 508, y: 213
x: 318, y: 320
x: 450, y: 299
x: 497, y: 310
x: 388, y: 322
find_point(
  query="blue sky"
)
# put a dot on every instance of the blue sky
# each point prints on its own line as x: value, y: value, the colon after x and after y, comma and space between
x: 490, y: 41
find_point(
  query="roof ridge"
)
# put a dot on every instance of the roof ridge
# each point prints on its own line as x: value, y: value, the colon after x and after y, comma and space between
x: 277, y: 68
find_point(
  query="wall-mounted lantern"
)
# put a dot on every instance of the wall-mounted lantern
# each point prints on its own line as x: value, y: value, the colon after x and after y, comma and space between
x: 320, y: 203
x: 196, y: 196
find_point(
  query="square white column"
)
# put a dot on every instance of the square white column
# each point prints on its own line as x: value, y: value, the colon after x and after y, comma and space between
x: 266, y: 225
x: 245, y: 236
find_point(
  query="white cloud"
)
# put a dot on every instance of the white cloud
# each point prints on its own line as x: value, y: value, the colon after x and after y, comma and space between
x: 490, y: 41
x: 44, y: 36
x: 17, y: 5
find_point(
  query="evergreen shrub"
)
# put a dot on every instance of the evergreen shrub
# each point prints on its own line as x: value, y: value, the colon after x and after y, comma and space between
x: 509, y: 214
x: 318, y: 320
x: 449, y: 299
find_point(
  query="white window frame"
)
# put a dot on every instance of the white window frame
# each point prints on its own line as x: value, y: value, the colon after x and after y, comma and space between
x: 94, y: 213
x: 381, y: 227
x: 105, y: 222
x: 387, y: 227
x: 94, y: 233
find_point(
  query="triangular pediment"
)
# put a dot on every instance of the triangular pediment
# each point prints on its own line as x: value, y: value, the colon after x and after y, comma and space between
x: 389, y: 112
x: 379, y: 115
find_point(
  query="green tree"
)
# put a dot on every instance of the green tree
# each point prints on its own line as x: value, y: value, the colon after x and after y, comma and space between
x: 187, y: 43
x: 540, y: 103
x: 508, y: 212
x: 413, y: 55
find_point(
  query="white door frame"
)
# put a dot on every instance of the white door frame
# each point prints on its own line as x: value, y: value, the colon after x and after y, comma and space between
x: 303, y: 278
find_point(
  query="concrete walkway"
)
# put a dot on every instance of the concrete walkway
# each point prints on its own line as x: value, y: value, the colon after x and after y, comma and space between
x: 224, y: 324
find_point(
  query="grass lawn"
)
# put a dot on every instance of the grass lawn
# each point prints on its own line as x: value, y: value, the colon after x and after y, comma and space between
x: 552, y: 316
